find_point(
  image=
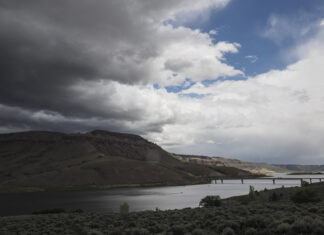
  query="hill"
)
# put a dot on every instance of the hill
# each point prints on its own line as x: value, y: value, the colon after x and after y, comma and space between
x: 44, y: 159
x: 253, y: 167
x: 304, y: 168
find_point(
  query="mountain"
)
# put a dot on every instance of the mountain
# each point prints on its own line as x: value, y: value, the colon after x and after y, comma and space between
x: 45, y: 159
x: 253, y: 167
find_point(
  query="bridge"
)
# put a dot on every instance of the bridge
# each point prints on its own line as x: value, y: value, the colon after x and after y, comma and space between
x: 310, y: 180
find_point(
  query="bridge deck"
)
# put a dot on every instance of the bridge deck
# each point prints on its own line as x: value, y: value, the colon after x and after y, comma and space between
x: 274, y: 179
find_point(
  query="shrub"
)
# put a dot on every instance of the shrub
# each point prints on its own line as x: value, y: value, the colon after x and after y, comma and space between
x: 301, y: 227
x: 138, y: 231
x: 49, y: 211
x: 251, y: 231
x: 234, y: 225
x: 178, y: 230
x: 318, y: 226
x: 256, y: 221
x: 273, y: 197
x: 283, y: 228
x: 116, y: 232
x: 304, y: 183
x: 210, y: 201
x: 228, y: 231
x: 252, y: 194
x: 77, y: 211
x: 124, y: 208
x: 198, y: 231
x: 94, y: 232
x: 313, y: 209
x: 304, y: 195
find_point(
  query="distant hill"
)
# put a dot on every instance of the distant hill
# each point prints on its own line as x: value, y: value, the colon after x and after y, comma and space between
x: 51, y: 159
x: 253, y: 167
x: 304, y: 168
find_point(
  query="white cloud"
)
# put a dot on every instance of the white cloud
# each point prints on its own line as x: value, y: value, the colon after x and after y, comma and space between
x: 322, y: 22
x: 276, y: 116
x: 213, y: 32
x: 280, y: 28
x: 193, y: 11
x: 191, y: 54
x: 252, y: 58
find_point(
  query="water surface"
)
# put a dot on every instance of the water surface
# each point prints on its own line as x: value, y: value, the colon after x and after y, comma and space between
x: 175, y: 197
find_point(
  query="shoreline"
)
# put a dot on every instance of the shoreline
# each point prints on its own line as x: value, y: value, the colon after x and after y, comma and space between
x: 306, y: 173
x: 72, y: 188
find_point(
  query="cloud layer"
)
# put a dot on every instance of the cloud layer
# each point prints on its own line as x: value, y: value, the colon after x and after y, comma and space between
x: 83, y: 65
x: 48, y: 49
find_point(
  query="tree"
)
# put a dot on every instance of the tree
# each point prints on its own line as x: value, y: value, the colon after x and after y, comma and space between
x: 210, y: 201
x: 252, y: 195
x: 304, y: 183
x: 124, y: 208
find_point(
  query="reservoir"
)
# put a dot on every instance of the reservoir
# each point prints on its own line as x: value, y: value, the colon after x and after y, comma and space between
x: 164, y: 198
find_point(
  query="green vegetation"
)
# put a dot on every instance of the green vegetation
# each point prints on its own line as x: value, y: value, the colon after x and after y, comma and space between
x: 304, y: 183
x: 210, y: 201
x: 305, y: 195
x: 252, y: 194
x: 268, y: 212
x: 124, y: 208
x: 49, y: 211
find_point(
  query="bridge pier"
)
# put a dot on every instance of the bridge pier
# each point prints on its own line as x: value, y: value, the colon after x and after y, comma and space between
x: 274, y: 181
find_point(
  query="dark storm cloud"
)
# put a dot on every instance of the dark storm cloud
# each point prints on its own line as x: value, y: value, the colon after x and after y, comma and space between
x: 18, y: 119
x: 35, y: 66
x: 48, y: 47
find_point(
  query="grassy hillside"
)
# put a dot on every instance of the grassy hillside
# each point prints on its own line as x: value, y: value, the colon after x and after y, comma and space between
x: 254, y: 167
x: 40, y: 160
x: 264, y: 214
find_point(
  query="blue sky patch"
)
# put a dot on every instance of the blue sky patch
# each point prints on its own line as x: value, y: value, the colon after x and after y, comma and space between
x: 183, y: 86
x: 245, y: 22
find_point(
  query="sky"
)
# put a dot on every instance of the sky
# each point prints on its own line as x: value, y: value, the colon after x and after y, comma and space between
x: 232, y: 78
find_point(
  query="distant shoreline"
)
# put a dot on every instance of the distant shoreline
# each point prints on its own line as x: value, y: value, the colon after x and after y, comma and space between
x: 88, y: 187
x: 305, y: 173
x: 33, y: 189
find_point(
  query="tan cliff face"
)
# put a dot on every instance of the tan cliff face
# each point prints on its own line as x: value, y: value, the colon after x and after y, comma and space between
x: 40, y: 158
x: 253, y: 167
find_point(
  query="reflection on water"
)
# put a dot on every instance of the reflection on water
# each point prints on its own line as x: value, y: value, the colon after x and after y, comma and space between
x: 164, y: 198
